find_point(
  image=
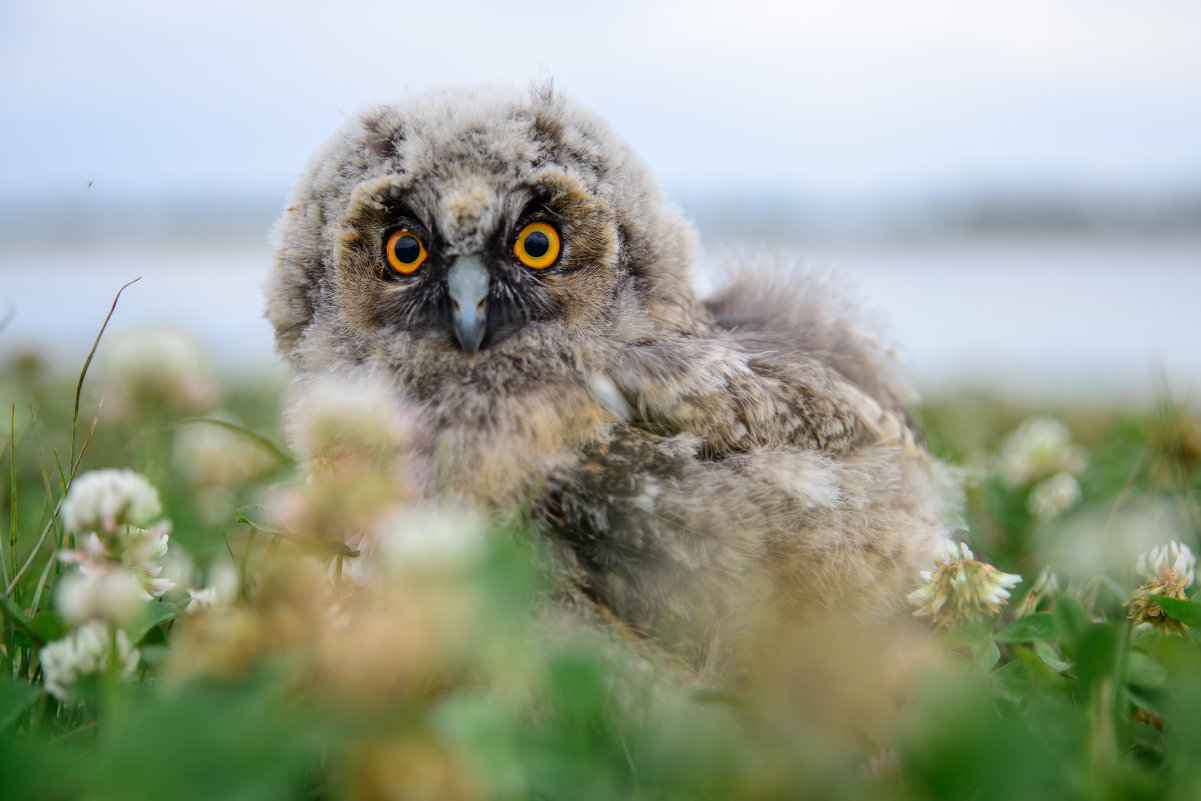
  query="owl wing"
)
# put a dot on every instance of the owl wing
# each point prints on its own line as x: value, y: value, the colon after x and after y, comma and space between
x: 737, y: 400
x: 784, y: 362
x: 762, y: 470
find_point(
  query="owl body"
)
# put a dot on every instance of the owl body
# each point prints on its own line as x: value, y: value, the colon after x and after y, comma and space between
x: 699, y: 469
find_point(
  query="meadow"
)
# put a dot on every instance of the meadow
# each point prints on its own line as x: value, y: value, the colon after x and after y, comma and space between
x: 206, y: 625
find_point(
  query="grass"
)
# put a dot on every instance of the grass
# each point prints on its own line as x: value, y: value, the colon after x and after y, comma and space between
x: 453, y: 682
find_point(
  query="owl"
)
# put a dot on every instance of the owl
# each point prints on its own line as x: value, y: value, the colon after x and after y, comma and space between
x: 701, y: 471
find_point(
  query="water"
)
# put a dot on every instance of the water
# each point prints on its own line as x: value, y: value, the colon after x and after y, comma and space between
x: 1025, y: 318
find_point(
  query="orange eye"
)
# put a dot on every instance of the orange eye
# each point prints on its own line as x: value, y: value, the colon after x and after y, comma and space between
x: 537, y: 245
x: 405, y: 251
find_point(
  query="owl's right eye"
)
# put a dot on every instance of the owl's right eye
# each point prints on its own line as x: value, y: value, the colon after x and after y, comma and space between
x: 405, y: 251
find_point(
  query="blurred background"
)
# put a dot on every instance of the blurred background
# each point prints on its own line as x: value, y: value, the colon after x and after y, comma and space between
x: 1014, y: 185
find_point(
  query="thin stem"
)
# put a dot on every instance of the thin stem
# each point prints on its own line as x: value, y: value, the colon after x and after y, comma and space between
x: 87, y: 362
x: 12, y: 514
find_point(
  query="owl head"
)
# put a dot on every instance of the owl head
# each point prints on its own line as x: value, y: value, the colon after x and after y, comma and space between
x: 474, y: 231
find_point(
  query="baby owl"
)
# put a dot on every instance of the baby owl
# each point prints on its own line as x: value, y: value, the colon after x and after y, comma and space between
x: 699, y: 469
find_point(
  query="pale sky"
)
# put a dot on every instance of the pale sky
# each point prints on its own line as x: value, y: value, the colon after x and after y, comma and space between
x: 853, y: 101
x: 219, y: 97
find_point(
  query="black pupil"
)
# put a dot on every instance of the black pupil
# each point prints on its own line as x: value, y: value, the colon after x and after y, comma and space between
x: 536, y: 244
x: 407, y: 249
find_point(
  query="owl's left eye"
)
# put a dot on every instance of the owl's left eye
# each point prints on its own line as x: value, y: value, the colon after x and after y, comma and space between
x: 537, y: 245
x: 405, y: 251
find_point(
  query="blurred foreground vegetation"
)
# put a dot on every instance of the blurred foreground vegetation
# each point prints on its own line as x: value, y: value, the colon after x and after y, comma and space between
x: 276, y: 668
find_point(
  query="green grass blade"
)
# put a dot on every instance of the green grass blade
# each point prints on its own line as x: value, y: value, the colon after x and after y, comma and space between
x: 12, y: 511
x: 88, y: 362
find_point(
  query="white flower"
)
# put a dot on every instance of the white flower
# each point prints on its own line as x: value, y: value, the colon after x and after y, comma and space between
x: 1172, y: 559
x: 211, y: 455
x: 201, y: 599
x: 163, y: 365
x: 103, y: 500
x: 1170, y: 569
x: 360, y: 416
x: 90, y: 553
x: 960, y: 588
x: 1040, y: 447
x: 84, y: 652
x: 109, y: 593
x: 137, y: 550
x: 221, y: 590
x: 1054, y: 496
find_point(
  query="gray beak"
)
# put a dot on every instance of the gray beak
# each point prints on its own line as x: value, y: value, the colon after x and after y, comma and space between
x: 467, y: 283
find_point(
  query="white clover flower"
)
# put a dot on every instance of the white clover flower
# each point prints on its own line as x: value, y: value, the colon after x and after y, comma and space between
x: 960, y: 589
x: 142, y: 547
x: 1170, y: 569
x: 201, y: 599
x: 164, y: 365
x: 107, y: 510
x: 109, y: 593
x: 136, y: 550
x: 221, y: 588
x: 350, y: 415
x: 1040, y: 447
x: 1173, y: 559
x: 90, y: 554
x: 211, y: 455
x: 1054, y: 496
x: 101, y: 501
x: 84, y: 652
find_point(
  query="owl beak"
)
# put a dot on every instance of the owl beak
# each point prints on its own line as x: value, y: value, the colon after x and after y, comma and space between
x: 467, y: 283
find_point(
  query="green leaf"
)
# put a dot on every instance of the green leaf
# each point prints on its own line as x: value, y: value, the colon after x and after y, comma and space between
x: 1187, y: 612
x: 15, y: 698
x: 1041, y: 626
x: 1051, y: 658
x: 1013, y: 677
x: 986, y: 656
x: 153, y: 614
x: 17, y: 616
x: 48, y: 625
x: 973, y: 642
x: 1148, y: 702
x: 1071, y: 616
x: 153, y: 656
x: 1097, y: 656
x: 1145, y: 671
